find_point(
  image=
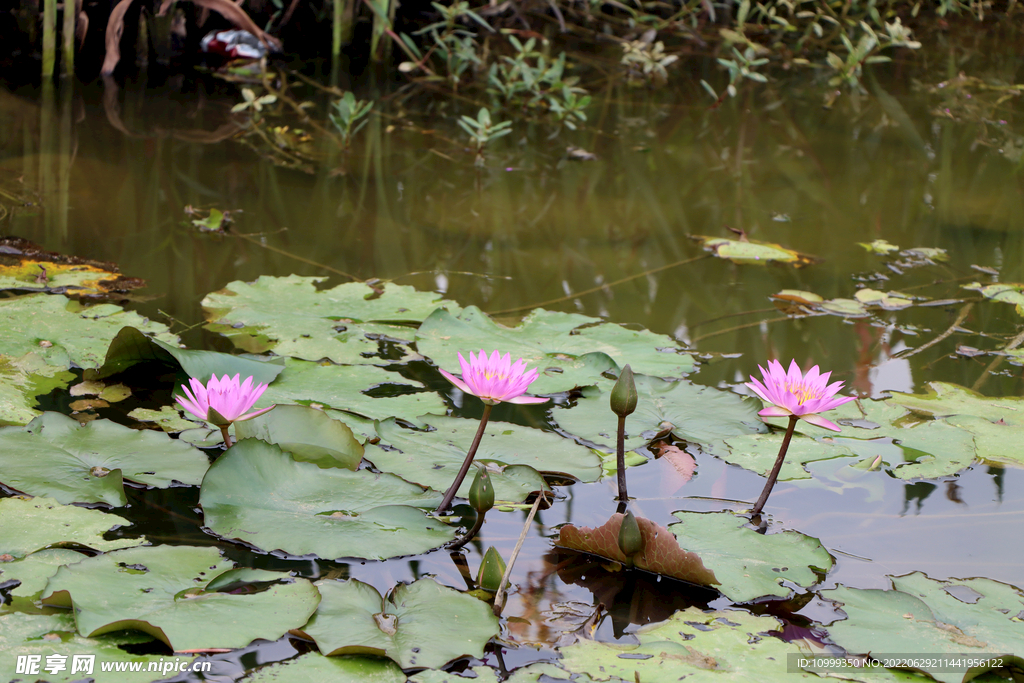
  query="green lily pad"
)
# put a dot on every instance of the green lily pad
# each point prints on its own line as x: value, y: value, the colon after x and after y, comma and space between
x: 845, y: 308
x: 258, y: 494
x: 890, y: 301
x: 64, y: 332
x: 539, y: 672
x: 689, y: 411
x: 35, y: 570
x: 160, y: 591
x: 31, y: 525
x: 569, y: 350
x: 131, y: 346
x: 308, y: 434
x: 353, y: 618
x: 343, y: 387
x: 1006, y: 292
x: 943, y: 400
x: 691, y: 645
x: 751, y: 252
x: 313, y: 666
x: 56, y: 456
x: 167, y: 418
x: 287, y: 315
x: 879, y: 247
x: 433, y: 458
x: 971, y: 617
x: 44, y: 635
x: 21, y: 381
x: 749, y: 565
x: 758, y: 452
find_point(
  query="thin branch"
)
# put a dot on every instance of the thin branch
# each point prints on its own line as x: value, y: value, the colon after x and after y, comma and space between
x: 499, y: 597
x: 996, y: 362
x: 964, y: 312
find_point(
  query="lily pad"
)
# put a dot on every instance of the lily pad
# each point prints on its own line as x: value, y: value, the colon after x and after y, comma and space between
x: 35, y: 570
x: 890, y: 301
x: 689, y: 411
x: 43, y: 635
x: 21, y: 381
x: 1006, y: 292
x: 308, y: 434
x: 160, y: 591
x: 747, y: 564
x: 344, y: 387
x: 56, y: 456
x: 64, y: 332
x: 967, y: 617
x: 258, y: 494
x: 691, y: 645
x: 758, y: 452
x: 131, y: 347
x: 353, y: 618
x: 287, y: 315
x: 167, y: 418
x: 313, y: 666
x: 943, y: 400
x: 881, y: 247
x: 751, y: 252
x: 433, y: 458
x: 569, y: 350
x: 31, y: 525
x: 659, y: 551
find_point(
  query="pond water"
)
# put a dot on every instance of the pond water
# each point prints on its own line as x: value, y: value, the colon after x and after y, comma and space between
x: 925, y: 158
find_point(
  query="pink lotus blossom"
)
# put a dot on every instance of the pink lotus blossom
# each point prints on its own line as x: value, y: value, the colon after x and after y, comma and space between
x: 496, y: 379
x: 222, y: 401
x: 794, y: 393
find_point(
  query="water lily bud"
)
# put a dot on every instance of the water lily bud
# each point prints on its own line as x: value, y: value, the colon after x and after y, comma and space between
x: 481, y: 492
x: 624, y: 393
x: 630, y: 540
x: 491, y: 570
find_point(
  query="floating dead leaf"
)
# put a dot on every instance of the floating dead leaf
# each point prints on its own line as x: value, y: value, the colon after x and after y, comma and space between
x: 749, y: 251
x: 88, y: 404
x: 660, y: 551
x: 87, y: 388
x: 796, y: 301
x: 25, y: 265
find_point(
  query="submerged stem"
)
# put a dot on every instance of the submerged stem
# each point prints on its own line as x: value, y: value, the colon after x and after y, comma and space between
x: 620, y: 459
x: 450, y: 494
x: 770, y: 484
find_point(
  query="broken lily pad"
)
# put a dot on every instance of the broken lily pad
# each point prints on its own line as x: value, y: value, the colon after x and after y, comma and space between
x: 353, y: 618
x: 30, y: 525
x: 569, y: 350
x: 259, y: 494
x: 56, y: 456
x: 976, y: 618
x: 433, y: 458
x: 689, y: 411
x: 161, y: 591
x: 747, y: 564
x: 659, y: 551
x: 289, y: 316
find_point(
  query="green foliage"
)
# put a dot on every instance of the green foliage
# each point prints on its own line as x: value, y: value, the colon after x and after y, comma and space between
x: 349, y: 117
x: 482, y: 131
x: 31, y: 525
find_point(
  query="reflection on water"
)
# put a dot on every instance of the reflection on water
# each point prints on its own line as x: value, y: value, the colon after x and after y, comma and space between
x: 926, y: 159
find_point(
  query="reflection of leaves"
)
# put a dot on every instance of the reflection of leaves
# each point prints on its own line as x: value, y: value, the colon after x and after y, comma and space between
x: 748, y: 251
x: 660, y: 552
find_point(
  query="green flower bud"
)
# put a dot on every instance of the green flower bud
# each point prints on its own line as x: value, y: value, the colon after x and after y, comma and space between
x: 630, y: 540
x: 624, y: 393
x: 491, y: 570
x: 481, y: 492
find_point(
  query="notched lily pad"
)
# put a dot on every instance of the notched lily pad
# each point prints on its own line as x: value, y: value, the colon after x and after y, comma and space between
x: 161, y: 591
x: 750, y: 565
x: 259, y: 494
x: 751, y: 252
x: 31, y: 525
x: 353, y: 618
x: 659, y: 551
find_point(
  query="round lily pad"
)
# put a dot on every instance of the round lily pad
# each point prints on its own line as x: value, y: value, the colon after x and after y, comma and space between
x: 259, y: 494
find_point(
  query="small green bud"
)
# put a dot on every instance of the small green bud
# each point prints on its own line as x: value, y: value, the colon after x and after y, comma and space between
x: 481, y: 492
x: 491, y: 570
x: 624, y: 396
x: 630, y: 540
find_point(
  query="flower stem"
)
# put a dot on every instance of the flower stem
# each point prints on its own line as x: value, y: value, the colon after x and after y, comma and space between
x: 450, y: 494
x: 620, y: 459
x: 770, y: 484
x: 227, y: 437
x: 459, y: 542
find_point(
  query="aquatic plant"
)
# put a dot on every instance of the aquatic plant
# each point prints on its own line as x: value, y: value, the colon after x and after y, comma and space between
x: 223, y: 401
x: 623, y: 402
x: 798, y: 396
x: 495, y: 379
x: 349, y: 117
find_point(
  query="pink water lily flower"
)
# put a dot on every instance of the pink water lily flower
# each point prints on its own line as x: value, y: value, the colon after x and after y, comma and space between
x: 222, y: 401
x: 495, y: 379
x: 794, y: 393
